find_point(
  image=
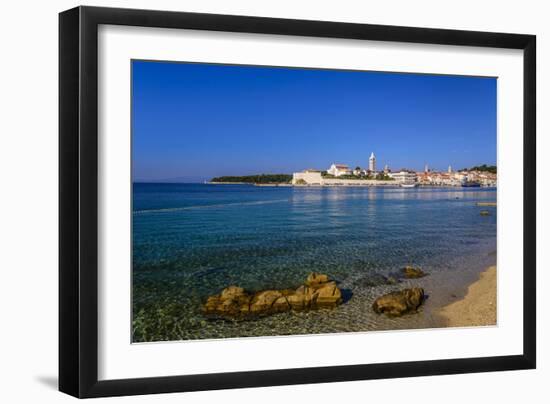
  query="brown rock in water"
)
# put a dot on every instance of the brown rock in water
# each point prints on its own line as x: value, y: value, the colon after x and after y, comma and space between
x: 211, y: 304
x: 399, y: 302
x: 301, y: 299
x: 327, y: 295
x: 234, y: 302
x: 411, y: 272
x: 281, y: 304
x: 263, y: 301
x: 231, y: 292
x: 314, y: 279
x: 298, y: 301
x: 485, y: 213
x: 486, y: 204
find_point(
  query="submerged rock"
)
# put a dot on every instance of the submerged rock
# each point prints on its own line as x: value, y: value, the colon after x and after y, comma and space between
x: 235, y: 303
x: 412, y: 272
x: 375, y: 279
x: 399, y: 302
x: 493, y: 204
x: 485, y: 213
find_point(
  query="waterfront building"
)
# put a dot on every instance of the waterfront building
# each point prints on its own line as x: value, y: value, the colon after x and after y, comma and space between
x: 339, y: 169
x: 386, y: 169
x: 372, y: 163
x: 309, y: 176
x: 404, y: 176
x: 423, y: 178
x: 487, y: 179
x: 450, y: 170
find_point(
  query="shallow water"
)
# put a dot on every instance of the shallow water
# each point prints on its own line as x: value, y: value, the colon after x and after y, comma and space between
x: 192, y: 240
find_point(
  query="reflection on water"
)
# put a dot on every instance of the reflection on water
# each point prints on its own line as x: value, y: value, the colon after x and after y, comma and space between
x: 191, y: 240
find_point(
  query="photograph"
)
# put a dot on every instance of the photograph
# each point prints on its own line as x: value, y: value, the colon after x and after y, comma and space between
x: 280, y: 200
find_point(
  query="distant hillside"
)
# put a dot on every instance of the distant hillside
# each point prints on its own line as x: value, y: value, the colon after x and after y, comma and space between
x: 484, y: 167
x: 256, y: 179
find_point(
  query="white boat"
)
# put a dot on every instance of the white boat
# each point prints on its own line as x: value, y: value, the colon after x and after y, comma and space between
x: 410, y: 185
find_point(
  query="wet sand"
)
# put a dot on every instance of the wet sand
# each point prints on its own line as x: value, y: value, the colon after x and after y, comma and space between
x: 478, y: 307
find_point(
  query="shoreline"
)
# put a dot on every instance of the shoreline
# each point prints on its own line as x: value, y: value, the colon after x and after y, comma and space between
x: 479, y: 305
x: 350, y: 185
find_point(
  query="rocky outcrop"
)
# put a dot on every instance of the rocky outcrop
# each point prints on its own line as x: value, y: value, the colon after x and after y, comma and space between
x: 316, y: 279
x: 485, y: 213
x: 399, y: 302
x: 492, y: 204
x: 318, y: 291
x: 413, y: 273
x: 268, y: 301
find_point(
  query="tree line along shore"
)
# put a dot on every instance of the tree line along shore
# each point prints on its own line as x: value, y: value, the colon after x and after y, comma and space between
x: 254, y: 179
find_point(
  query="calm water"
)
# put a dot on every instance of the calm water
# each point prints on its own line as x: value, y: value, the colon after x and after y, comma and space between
x: 192, y: 240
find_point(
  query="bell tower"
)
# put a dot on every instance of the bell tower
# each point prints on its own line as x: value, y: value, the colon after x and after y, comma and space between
x: 372, y: 162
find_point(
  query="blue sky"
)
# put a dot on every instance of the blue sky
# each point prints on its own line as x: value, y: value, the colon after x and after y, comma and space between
x: 192, y: 122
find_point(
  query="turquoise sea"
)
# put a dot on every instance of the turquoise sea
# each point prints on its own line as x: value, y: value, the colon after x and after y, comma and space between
x: 192, y: 240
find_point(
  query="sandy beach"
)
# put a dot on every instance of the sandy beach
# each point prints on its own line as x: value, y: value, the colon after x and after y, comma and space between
x: 478, y: 307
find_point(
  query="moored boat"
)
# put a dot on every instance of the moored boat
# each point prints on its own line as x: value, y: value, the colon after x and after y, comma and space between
x: 469, y: 184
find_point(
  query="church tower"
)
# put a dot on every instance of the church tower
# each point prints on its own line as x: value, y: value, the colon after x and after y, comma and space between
x: 372, y: 162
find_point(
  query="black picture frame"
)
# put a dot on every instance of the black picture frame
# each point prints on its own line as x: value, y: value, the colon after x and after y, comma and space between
x: 78, y: 201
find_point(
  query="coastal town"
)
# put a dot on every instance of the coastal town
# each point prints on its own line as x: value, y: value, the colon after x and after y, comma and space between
x: 341, y: 174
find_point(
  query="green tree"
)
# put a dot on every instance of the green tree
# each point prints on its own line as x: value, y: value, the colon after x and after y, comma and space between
x: 256, y: 179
